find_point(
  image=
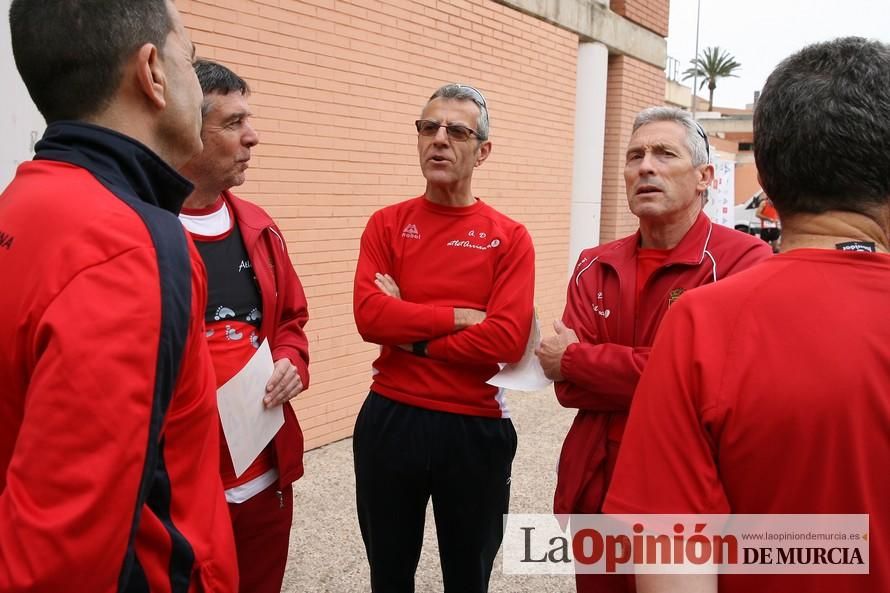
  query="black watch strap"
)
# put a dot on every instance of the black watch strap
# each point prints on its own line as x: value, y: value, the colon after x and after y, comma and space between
x: 419, y: 348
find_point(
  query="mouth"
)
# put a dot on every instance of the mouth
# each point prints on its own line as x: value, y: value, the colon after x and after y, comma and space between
x: 647, y: 189
x: 437, y: 158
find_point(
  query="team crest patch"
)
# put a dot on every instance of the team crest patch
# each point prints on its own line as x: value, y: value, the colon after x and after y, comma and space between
x: 675, y: 294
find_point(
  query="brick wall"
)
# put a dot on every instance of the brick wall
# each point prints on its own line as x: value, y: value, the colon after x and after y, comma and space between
x: 632, y: 86
x: 652, y: 14
x: 336, y: 87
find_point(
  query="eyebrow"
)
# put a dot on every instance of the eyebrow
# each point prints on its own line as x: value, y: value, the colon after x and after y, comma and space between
x: 238, y: 116
x: 657, y: 146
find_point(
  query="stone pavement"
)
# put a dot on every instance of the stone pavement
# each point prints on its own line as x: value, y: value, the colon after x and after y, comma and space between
x: 327, y: 554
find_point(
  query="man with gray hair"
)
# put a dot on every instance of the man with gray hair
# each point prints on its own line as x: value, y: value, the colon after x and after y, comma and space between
x: 618, y: 294
x: 444, y: 284
x: 807, y: 433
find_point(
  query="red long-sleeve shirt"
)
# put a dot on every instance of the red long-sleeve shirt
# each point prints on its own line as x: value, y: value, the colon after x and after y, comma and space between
x: 441, y: 258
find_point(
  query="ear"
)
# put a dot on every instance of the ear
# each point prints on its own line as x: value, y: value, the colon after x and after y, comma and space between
x: 484, y: 151
x: 707, y: 176
x: 150, y: 75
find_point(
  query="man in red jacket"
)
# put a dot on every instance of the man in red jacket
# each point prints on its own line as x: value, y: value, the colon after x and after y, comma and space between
x: 619, y: 293
x: 108, y: 426
x: 253, y: 295
x: 444, y: 284
x: 786, y: 414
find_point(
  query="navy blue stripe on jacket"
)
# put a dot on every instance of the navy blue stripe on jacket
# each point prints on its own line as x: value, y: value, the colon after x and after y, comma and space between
x: 155, y: 192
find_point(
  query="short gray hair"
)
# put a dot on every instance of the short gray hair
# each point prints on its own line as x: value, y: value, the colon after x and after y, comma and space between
x: 463, y: 92
x: 696, y: 139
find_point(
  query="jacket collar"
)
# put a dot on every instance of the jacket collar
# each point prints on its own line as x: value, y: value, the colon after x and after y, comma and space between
x: 125, y: 166
x: 689, y: 251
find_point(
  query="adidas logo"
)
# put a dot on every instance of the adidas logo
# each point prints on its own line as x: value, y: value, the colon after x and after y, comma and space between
x: 411, y: 232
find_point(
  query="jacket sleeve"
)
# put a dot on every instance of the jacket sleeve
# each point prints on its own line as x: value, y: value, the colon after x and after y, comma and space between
x: 503, y: 335
x: 74, y: 474
x: 293, y: 313
x: 600, y: 377
x: 380, y: 318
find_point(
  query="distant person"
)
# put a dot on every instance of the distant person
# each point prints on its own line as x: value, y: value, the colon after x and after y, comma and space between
x: 108, y: 424
x: 445, y: 285
x: 254, y: 295
x: 769, y: 222
x: 740, y: 414
x: 618, y: 294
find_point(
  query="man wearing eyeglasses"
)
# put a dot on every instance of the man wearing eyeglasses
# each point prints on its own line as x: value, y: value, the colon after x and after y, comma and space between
x: 444, y: 285
x: 618, y: 294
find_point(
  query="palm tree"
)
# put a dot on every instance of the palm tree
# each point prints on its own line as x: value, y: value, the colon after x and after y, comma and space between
x: 713, y: 63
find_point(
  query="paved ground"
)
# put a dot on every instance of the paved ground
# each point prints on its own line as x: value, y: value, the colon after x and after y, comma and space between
x: 327, y: 555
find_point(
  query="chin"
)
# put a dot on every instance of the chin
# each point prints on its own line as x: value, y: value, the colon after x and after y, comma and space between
x: 438, y: 177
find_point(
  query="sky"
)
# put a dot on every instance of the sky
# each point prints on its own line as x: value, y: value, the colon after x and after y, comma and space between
x: 761, y: 33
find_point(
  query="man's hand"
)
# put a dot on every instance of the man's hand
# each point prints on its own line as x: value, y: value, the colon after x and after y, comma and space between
x: 385, y: 283
x: 284, y: 385
x: 464, y: 318
x: 551, y: 349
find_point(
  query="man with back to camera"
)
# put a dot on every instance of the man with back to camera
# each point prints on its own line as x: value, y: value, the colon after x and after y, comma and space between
x: 253, y: 295
x: 108, y: 437
x: 445, y: 285
x: 788, y: 415
x: 618, y: 294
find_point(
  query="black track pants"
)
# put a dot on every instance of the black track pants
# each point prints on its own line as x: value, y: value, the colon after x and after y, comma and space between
x: 406, y: 455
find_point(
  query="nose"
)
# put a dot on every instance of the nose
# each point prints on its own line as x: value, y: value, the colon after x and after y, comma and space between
x: 647, y: 163
x: 441, y: 136
x: 250, y: 138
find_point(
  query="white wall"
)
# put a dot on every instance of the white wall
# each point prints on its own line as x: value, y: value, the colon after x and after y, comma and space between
x: 590, y: 130
x: 20, y: 123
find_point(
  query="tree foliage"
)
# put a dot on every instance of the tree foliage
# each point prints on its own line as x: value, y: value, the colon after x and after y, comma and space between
x: 712, y: 64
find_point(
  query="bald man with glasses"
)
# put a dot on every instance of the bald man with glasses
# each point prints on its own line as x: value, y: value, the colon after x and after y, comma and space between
x: 617, y: 296
x: 445, y: 286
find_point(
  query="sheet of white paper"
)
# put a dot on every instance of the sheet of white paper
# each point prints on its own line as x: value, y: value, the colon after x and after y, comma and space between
x: 246, y: 422
x: 527, y: 374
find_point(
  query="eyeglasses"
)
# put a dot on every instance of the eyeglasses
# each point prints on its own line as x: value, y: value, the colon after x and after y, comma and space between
x: 429, y: 128
x: 704, y: 136
x: 478, y: 97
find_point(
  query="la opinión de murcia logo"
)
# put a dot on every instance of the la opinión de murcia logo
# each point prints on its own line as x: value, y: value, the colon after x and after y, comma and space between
x: 686, y: 544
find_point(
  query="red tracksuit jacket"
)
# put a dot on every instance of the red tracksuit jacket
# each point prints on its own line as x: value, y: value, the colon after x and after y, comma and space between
x: 602, y: 371
x: 109, y: 438
x: 285, y: 313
